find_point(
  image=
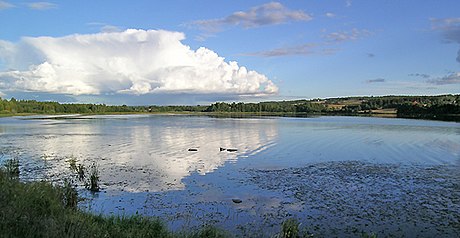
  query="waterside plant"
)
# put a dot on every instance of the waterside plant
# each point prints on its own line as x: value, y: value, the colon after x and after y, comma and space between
x: 12, y: 168
x: 91, y: 182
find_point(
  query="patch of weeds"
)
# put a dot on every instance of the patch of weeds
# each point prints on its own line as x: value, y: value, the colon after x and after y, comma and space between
x: 81, y: 172
x: 72, y: 164
x: 290, y: 228
x: 12, y: 168
x: 79, y: 169
x: 69, y: 195
x: 367, y: 235
x: 93, y: 183
x: 207, y: 231
x: 88, y: 175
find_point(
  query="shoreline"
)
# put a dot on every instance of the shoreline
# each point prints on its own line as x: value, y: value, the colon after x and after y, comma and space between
x: 61, y: 116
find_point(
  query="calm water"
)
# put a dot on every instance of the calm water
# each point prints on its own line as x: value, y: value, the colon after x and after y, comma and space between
x: 335, y: 174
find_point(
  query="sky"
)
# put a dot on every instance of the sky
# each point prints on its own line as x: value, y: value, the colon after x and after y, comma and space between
x: 177, y: 52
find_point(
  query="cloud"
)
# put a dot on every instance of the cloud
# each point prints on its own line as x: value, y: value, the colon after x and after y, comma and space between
x: 453, y: 78
x: 450, y: 28
x: 41, y: 5
x: 322, y: 48
x: 110, y: 28
x: 330, y: 15
x: 425, y: 76
x: 107, y: 28
x: 5, y: 5
x: 341, y: 36
x: 348, y: 3
x: 458, y: 56
x: 272, y: 13
x: 378, y: 80
x: 129, y: 62
x: 304, y: 49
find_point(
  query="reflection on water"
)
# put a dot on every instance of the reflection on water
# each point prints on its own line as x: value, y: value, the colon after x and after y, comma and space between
x: 336, y: 173
x: 139, y: 153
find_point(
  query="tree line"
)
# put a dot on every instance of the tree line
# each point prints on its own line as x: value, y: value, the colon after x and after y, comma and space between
x: 14, y: 106
x: 406, y: 106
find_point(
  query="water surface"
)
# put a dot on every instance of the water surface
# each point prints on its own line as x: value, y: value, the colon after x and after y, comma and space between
x: 335, y: 174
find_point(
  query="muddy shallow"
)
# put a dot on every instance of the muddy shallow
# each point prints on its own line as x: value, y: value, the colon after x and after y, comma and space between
x: 336, y: 175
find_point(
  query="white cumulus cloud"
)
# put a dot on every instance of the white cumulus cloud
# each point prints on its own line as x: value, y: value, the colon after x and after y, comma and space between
x: 129, y: 62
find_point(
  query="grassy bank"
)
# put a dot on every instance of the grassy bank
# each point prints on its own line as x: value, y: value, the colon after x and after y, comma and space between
x: 41, y: 209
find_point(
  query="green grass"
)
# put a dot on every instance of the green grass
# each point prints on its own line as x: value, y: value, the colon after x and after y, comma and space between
x: 40, y: 209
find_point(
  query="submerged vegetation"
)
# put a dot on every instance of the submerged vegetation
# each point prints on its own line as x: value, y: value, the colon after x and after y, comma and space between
x: 427, y: 107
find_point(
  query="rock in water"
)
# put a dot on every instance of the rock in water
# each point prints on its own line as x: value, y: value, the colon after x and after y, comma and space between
x: 236, y: 200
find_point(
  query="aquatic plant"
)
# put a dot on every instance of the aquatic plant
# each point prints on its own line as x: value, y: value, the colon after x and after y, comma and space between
x: 12, y: 168
x: 81, y: 172
x: 290, y: 228
x: 72, y: 164
x: 79, y: 169
x: 93, y: 183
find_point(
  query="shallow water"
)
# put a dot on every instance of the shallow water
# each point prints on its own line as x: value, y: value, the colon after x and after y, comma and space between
x: 336, y: 174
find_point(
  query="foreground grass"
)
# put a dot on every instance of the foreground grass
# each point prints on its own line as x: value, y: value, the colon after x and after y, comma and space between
x: 40, y: 209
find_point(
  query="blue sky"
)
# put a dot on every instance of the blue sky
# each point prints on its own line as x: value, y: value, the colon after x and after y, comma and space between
x: 198, y: 52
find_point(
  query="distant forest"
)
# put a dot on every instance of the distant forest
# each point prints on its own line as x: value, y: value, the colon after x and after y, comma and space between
x: 402, y: 106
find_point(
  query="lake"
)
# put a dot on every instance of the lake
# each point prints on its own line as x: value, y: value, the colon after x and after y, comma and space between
x: 336, y: 175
